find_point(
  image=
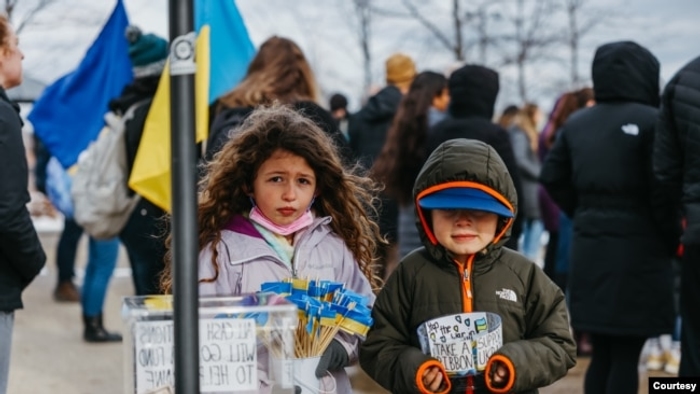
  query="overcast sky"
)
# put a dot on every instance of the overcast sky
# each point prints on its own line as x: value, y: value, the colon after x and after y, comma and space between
x: 53, y: 46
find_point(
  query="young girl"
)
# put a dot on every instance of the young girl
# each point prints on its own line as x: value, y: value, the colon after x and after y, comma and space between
x: 276, y: 203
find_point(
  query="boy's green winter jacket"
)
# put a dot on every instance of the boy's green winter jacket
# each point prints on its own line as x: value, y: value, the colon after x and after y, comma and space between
x: 537, y: 345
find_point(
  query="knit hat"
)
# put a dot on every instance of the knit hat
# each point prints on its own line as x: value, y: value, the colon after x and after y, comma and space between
x: 400, y: 69
x: 147, y: 52
x: 338, y: 101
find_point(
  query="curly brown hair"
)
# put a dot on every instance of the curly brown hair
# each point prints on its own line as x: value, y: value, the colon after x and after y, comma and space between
x: 344, y: 196
x: 279, y: 71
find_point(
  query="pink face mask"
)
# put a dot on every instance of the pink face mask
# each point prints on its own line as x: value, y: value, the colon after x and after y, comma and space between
x: 301, y: 222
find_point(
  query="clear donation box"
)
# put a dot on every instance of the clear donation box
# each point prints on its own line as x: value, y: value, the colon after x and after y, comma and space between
x: 239, y: 337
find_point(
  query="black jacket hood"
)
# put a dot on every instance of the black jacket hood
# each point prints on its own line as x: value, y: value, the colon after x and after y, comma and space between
x: 626, y: 71
x: 473, y: 91
x: 383, y: 105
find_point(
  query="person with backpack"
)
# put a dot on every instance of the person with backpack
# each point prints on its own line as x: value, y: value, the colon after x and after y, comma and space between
x: 142, y: 234
x: 104, y: 206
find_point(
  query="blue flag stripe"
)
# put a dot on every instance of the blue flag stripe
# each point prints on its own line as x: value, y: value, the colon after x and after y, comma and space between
x: 231, y: 47
x: 70, y: 112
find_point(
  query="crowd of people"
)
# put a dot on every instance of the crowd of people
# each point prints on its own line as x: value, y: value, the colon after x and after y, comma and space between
x: 425, y: 204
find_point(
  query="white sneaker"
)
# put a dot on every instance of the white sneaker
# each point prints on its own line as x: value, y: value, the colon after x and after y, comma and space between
x: 673, y: 359
x: 656, y: 357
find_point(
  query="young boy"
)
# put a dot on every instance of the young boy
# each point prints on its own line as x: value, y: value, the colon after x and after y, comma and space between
x: 465, y: 203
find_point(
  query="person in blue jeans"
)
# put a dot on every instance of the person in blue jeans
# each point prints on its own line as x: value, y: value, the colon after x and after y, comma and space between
x: 66, y: 291
x: 102, y: 258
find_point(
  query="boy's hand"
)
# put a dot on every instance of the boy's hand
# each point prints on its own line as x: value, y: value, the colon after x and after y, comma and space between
x: 432, y: 379
x: 499, y: 374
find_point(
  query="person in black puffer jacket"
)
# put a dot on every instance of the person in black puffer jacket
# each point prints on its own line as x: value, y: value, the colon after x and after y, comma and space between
x: 473, y: 91
x: 599, y: 172
x: 677, y: 166
x: 367, y: 131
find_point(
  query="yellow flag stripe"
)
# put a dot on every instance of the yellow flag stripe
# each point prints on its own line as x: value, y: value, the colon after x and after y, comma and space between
x: 151, y: 173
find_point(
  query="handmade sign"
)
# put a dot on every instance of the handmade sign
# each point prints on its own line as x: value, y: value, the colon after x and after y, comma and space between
x: 236, y: 337
x: 463, y: 342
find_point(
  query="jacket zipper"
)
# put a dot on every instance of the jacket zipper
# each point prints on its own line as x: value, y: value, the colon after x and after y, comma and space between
x: 467, y: 301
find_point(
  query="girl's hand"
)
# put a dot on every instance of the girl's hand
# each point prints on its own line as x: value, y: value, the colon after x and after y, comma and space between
x: 499, y: 374
x: 432, y: 379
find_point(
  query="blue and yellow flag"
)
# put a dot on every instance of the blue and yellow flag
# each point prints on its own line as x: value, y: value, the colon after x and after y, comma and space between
x: 69, y: 114
x: 223, y: 51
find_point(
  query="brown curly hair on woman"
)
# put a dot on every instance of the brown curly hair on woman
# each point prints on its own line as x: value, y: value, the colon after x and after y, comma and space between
x: 344, y: 196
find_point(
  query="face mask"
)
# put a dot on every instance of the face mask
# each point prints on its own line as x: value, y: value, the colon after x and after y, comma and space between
x: 301, y: 222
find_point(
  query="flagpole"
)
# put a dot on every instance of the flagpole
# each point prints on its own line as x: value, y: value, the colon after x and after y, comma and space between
x: 184, y: 198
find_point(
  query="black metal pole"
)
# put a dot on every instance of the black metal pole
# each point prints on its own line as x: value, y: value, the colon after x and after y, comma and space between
x: 184, y: 198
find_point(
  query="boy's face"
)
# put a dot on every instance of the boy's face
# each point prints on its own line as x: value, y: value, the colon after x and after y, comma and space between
x: 464, y: 232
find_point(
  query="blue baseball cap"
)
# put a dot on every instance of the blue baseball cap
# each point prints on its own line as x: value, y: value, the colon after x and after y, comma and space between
x: 465, y: 198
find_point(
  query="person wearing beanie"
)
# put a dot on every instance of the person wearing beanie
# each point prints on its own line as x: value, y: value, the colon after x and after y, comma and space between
x: 142, y: 234
x: 339, y: 110
x: 473, y: 91
x: 139, y: 236
x: 367, y: 131
x: 400, y: 71
x: 147, y: 52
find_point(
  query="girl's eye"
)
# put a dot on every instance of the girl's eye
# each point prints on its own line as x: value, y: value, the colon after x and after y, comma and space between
x: 304, y: 181
x: 276, y: 179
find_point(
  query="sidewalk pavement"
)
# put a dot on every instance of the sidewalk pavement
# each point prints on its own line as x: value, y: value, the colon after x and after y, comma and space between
x: 50, y: 357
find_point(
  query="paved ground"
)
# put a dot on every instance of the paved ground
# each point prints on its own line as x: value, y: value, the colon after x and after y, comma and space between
x: 49, y: 356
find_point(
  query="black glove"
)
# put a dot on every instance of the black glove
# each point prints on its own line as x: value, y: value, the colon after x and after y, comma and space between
x: 334, y: 358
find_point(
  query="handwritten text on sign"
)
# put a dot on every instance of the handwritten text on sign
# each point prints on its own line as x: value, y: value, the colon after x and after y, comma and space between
x: 463, y: 342
x: 227, y: 355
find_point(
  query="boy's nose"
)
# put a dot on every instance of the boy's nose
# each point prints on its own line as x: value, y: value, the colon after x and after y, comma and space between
x: 464, y: 217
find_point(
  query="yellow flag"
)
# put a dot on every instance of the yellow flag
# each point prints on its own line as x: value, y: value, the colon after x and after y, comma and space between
x: 150, y: 176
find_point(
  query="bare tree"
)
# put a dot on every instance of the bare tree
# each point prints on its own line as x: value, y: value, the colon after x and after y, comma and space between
x: 532, y: 37
x: 479, y: 19
x: 579, y: 25
x: 28, y: 16
x: 454, y: 45
x: 364, y: 19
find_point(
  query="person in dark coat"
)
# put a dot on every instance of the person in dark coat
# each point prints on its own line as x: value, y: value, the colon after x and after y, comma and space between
x: 599, y: 172
x: 142, y: 236
x: 677, y: 166
x: 473, y: 91
x: 21, y: 254
x: 367, y: 131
